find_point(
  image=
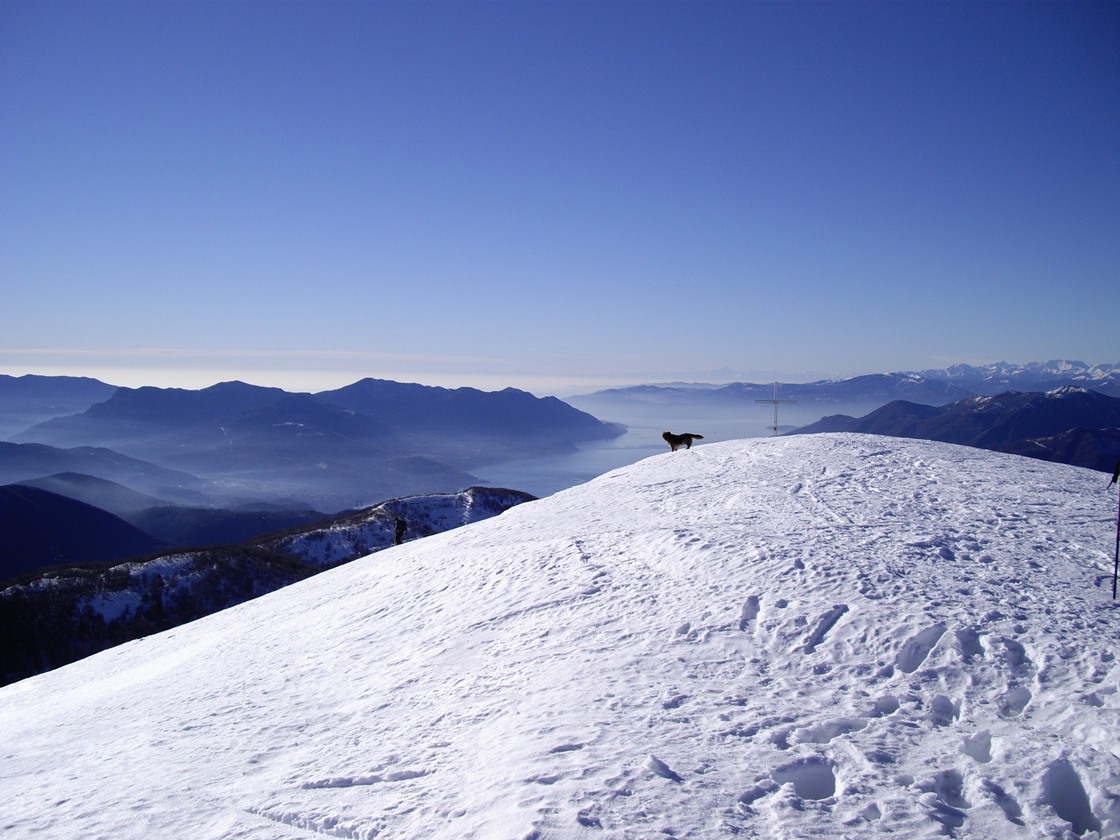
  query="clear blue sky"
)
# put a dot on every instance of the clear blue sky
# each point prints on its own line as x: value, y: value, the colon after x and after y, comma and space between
x: 555, y: 195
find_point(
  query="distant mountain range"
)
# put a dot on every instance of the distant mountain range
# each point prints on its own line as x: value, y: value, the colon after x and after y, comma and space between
x: 932, y: 387
x: 27, y: 400
x: 870, y: 388
x: 1068, y: 425
x: 51, y: 617
x: 740, y: 409
x: 235, y: 442
x: 989, y: 380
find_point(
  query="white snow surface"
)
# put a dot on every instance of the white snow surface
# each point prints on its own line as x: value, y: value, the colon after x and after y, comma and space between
x: 817, y: 636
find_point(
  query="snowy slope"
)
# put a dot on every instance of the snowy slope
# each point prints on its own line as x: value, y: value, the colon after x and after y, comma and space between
x: 819, y: 636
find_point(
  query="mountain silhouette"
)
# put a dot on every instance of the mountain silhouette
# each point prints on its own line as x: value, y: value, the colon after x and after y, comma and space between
x: 326, y: 451
x: 20, y: 462
x: 27, y: 400
x: 1070, y: 425
x: 108, y: 495
x: 39, y: 528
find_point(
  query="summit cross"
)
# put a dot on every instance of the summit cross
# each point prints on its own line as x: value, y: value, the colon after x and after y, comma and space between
x: 774, y: 428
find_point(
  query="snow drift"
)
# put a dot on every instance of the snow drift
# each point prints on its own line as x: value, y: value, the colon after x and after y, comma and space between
x: 833, y: 635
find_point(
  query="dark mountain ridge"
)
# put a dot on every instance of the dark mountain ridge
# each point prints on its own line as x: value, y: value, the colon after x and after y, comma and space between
x: 1070, y: 425
x: 178, y: 526
x: 164, y: 526
x: 39, y: 528
x: 467, y: 411
x: 183, y: 406
x: 183, y: 527
x: 140, y: 418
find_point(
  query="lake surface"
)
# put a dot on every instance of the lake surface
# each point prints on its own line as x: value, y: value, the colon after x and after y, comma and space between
x: 547, y: 475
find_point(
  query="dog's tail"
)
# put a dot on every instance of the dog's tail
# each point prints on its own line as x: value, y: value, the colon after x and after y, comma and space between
x: 697, y: 437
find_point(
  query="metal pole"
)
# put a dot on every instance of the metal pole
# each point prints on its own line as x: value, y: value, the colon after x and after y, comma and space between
x: 1116, y: 563
x: 776, y: 402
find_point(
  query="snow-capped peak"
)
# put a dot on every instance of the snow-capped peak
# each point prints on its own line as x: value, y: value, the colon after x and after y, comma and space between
x: 1066, y: 391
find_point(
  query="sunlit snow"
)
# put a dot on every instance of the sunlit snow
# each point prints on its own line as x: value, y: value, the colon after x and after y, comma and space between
x: 820, y: 636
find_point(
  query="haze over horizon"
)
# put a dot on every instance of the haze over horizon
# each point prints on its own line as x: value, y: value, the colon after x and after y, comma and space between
x: 558, y: 197
x: 315, y: 381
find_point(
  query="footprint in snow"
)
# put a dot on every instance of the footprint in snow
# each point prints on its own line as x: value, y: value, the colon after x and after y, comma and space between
x: 943, y: 711
x: 917, y: 648
x: 1063, y: 790
x: 812, y: 778
x: 1012, y: 702
x: 1015, y: 656
x: 1015, y: 696
x: 968, y: 641
x: 1007, y: 803
x: 824, y: 624
x: 979, y: 746
x: 945, y: 799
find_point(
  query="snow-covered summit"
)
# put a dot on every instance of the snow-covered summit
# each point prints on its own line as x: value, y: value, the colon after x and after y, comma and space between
x: 831, y: 636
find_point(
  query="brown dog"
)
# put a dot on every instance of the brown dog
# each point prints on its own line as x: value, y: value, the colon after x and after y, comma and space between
x: 684, y: 440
